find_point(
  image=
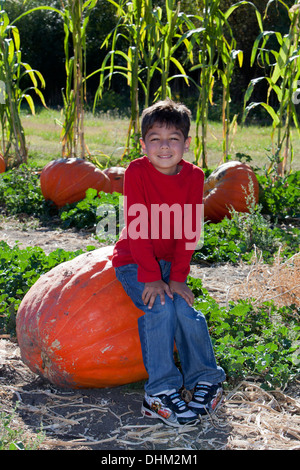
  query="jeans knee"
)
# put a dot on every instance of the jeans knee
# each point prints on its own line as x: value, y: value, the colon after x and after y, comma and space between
x: 183, y: 309
x: 166, y: 309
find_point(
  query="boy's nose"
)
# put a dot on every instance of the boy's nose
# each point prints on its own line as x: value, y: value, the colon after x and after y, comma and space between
x: 165, y: 143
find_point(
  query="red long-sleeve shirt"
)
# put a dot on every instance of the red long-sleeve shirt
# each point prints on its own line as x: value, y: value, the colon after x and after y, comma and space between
x: 162, y: 219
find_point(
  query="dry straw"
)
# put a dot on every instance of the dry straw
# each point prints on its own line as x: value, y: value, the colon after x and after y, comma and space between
x: 279, y: 282
x: 262, y: 420
x: 248, y: 419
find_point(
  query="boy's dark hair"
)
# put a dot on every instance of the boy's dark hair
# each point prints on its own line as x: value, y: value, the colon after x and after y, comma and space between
x: 167, y: 113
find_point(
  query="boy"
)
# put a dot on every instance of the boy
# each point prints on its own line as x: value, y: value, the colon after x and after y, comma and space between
x: 162, y: 197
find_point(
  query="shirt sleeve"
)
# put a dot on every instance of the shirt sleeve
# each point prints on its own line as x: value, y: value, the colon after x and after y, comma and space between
x: 192, y: 225
x: 137, y: 227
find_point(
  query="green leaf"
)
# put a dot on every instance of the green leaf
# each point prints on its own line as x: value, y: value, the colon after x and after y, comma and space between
x: 271, y: 111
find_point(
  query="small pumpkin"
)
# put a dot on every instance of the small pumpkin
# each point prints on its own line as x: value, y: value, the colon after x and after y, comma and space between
x: 66, y: 180
x: 228, y: 187
x: 116, y: 176
x: 78, y: 328
x: 2, y: 164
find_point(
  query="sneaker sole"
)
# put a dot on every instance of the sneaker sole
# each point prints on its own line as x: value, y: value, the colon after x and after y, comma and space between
x: 151, y: 414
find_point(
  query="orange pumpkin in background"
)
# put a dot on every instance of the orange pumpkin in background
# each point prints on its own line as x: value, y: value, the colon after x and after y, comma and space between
x: 66, y: 180
x: 2, y: 164
x: 77, y: 327
x: 228, y: 187
x: 116, y: 176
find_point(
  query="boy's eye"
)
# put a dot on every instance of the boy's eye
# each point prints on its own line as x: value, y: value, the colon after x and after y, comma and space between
x: 155, y: 139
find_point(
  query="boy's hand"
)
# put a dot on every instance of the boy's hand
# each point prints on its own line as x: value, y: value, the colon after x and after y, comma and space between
x: 152, y: 289
x: 182, y: 289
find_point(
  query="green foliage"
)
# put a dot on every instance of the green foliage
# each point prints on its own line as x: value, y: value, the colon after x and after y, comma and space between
x: 261, y: 342
x: 217, y: 55
x: 75, y: 16
x: 19, y: 270
x: 280, y: 196
x: 152, y: 39
x: 12, y: 73
x: 81, y: 214
x: 14, y: 439
x: 20, y: 192
x: 238, y: 238
x: 281, y: 66
x: 87, y: 213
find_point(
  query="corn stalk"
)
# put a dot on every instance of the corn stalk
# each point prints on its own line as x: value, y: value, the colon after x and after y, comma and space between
x: 216, y: 55
x: 229, y: 55
x: 169, y: 37
x: 151, y: 50
x: 76, y: 17
x: 208, y: 63
x: 283, y: 75
x: 12, y: 71
x: 131, y: 27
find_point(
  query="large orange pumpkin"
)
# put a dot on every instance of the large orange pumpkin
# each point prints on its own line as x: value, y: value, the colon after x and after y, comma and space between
x: 116, y: 176
x: 228, y: 187
x: 2, y: 164
x: 66, y: 180
x: 78, y: 328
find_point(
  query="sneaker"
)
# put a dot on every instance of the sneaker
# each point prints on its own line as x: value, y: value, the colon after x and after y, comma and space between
x: 169, y: 407
x: 206, y: 398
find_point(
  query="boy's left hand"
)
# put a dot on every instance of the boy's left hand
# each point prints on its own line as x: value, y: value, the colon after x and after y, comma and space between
x: 182, y: 289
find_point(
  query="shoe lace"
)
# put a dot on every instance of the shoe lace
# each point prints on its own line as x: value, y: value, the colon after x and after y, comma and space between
x: 202, y: 391
x: 177, y: 400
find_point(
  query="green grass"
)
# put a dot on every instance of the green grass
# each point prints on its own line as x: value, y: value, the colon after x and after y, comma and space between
x: 103, y: 135
x: 107, y: 135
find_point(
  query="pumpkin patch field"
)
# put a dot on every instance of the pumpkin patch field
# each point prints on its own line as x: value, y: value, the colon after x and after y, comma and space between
x: 70, y: 360
x: 71, y: 369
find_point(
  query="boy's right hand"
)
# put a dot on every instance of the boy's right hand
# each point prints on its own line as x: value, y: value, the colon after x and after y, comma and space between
x: 152, y: 289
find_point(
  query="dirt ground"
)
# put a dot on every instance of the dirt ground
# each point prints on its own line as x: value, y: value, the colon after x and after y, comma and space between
x: 110, y: 419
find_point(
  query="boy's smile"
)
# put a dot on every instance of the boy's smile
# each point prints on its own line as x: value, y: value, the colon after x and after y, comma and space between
x: 165, y: 146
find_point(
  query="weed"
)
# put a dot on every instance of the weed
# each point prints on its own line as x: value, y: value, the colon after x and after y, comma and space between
x: 19, y: 270
x: 20, y: 192
x: 16, y: 439
x: 241, y: 236
x: 250, y: 340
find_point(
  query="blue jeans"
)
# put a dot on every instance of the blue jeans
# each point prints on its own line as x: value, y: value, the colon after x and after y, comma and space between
x: 164, y: 324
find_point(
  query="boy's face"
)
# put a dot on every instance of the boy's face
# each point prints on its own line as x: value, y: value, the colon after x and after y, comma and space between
x: 165, y: 146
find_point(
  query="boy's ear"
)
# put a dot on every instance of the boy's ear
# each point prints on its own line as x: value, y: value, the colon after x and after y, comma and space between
x: 187, y: 144
x: 143, y: 144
